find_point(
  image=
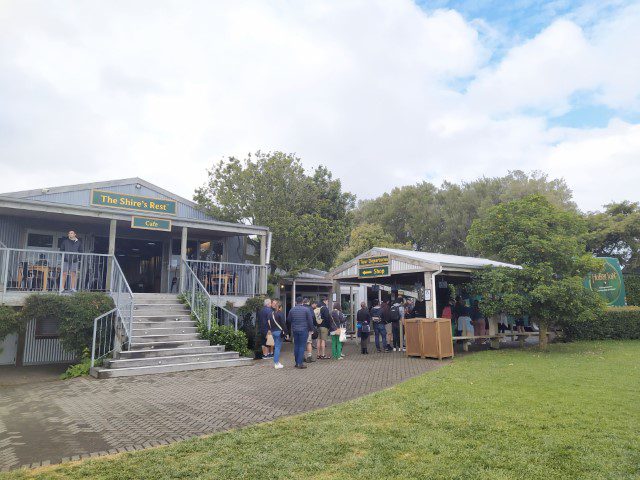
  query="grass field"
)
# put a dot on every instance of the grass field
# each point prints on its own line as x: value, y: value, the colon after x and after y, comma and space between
x: 571, y: 413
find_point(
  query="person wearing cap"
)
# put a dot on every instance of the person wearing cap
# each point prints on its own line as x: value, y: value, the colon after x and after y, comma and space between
x: 301, y: 320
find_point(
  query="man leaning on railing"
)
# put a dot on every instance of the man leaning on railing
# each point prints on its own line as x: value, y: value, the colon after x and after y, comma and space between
x: 71, y: 244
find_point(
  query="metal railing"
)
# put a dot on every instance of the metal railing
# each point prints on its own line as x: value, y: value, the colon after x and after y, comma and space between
x: 46, y: 271
x: 224, y: 278
x: 226, y: 317
x: 197, y: 296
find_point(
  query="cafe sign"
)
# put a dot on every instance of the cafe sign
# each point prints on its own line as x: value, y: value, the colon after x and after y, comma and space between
x: 372, y: 272
x: 101, y: 198
x: 147, y: 223
x: 373, y: 261
x: 609, y: 283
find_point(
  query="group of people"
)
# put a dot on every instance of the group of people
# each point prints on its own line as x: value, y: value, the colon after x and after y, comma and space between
x: 384, y: 319
x: 306, y: 321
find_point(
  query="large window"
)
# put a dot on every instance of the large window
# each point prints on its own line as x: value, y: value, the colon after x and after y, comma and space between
x: 47, y: 328
x: 39, y: 240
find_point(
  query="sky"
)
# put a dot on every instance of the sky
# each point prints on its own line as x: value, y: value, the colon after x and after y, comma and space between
x: 383, y: 92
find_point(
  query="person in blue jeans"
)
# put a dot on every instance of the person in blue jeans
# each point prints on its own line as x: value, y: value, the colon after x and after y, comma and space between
x: 301, y: 320
x: 378, y: 326
x: 276, y: 326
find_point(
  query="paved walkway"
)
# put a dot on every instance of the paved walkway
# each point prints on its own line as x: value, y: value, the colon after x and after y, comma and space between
x: 52, y: 422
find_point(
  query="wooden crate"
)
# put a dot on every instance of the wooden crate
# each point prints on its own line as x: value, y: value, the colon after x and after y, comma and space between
x: 429, y: 337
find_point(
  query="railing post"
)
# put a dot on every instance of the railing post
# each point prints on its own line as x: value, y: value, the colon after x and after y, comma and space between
x: 93, y: 344
x: 5, y: 273
x: 62, y: 274
x: 209, y: 313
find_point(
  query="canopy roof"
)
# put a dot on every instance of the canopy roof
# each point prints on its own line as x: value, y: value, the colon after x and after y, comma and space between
x: 407, y: 261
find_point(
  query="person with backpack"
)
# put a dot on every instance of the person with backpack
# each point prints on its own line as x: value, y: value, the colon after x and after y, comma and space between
x: 301, y: 320
x: 363, y: 317
x: 379, y: 329
x: 337, y: 324
x: 277, y: 324
x: 313, y: 335
x: 396, y: 315
x: 322, y: 319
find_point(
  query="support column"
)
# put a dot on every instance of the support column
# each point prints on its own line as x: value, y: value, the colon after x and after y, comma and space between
x: 263, y: 261
x: 293, y: 293
x: 183, y: 257
x: 430, y: 305
x: 335, y: 288
x: 113, y: 224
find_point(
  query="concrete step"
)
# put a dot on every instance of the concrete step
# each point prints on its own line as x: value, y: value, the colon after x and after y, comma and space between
x: 161, y: 317
x: 165, y: 352
x: 160, y: 307
x: 167, y: 329
x: 171, y: 360
x: 180, y: 367
x: 164, y: 324
x: 137, y: 344
x: 169, y: 337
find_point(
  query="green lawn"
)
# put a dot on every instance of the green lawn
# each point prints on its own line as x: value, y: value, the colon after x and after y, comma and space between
x: 573, y: 412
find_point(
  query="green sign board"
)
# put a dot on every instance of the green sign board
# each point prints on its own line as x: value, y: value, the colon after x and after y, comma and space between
x: 101, y: 198
x: 374, y: 261
x: 371, y: 272
x: 146, y: 223
x: 609, y: 283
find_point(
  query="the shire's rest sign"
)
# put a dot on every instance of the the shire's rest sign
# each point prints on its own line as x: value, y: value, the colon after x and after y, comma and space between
x: 101, y: 198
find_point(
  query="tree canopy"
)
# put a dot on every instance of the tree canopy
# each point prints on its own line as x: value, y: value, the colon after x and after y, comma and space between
x: 616, y: 233
x: 549, y: 244
x: 365, y: 237
x: 438, y: 219
x: 309, y: 215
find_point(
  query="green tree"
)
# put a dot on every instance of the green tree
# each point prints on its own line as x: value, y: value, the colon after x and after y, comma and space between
x: 309, y: 215
x: 548, y: 243
x: 365, y: 237
x: 438, y: 219
x: 616, y: 233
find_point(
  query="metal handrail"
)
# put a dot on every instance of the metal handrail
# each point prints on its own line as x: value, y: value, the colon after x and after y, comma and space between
x: 192, y: 288
x: 228, y: 263
x: 247, y: 279
x: 117, y: 271
x: 2, y: 245
x: 233, y: 315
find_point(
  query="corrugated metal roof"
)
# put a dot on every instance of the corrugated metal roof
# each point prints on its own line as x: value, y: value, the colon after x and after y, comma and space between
x: 445, y: 260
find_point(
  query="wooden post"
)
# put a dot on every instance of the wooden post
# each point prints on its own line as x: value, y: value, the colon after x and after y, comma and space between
x: 293, y: 293
x: 183, y: 257
x: 429, y: 305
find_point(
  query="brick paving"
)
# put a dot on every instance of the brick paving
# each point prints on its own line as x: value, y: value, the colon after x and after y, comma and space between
x: 52, y: 422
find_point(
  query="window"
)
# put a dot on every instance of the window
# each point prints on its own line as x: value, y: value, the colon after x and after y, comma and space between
x: 39, y: 240
x: 47, y: 328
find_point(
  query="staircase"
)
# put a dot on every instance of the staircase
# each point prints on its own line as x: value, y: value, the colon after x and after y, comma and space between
x: 164, y: 339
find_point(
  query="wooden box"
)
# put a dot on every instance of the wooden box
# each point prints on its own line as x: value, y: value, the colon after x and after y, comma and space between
x: 429, y: 337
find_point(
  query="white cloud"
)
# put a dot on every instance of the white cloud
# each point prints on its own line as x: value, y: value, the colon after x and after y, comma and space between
x: 160, y: 90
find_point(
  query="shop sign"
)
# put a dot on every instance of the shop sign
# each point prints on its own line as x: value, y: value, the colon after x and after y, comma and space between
x: 374, y: 261
x: 146, y: 223
x: 101, y: 198
x: 608, y: 283
x: 371, y: 272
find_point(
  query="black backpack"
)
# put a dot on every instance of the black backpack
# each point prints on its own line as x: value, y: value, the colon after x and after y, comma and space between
x: 395, y: 313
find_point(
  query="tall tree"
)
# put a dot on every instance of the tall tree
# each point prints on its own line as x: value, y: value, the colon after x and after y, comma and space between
x: 365, y: 237
x: 616, y: 233
x: 548, y: 243
x: 438, y: 219
x: 309, y: 215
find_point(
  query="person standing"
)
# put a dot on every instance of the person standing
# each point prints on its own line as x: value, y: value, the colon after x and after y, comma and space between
x: 386, y: 318
x: 396, y: 315
x: 337, y: 324
x: 263, y: 321
x: 308, y: 354
x: 363, y: 317
x: 323, y: 319
x: 379, y: 329
x: 478, y: 320
x: 301, y: 321
x: 276, y: 325
x: 70, y: 245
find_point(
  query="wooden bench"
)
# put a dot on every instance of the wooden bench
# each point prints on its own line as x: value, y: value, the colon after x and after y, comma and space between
x: 495, y: 338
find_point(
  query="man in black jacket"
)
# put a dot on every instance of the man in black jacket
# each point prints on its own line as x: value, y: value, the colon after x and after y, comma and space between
x: 263, y: 322
x: 363, y: 317
x: 70, y: 245
x: 301, y: 320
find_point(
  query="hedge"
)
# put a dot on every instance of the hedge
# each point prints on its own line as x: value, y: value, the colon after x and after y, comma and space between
x: 632, y: 288
x: 227, y: 336
x: 619, y: 323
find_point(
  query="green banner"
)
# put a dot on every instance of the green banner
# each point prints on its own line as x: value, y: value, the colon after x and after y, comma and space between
x: 374, y: 261
x: 609, y: 283
x: 147, y: 223
x: 101, y: 198
x: 370, y: 272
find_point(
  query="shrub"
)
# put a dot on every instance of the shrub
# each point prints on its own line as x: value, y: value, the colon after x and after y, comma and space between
x: 620, y: 323
x: 632, y: 288
x: 227, y: 336
x: 75, y: 312
x: 10, y: 321
x: 79, y: 369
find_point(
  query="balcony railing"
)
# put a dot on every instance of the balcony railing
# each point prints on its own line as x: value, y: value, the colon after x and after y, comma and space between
x: 233, y: 279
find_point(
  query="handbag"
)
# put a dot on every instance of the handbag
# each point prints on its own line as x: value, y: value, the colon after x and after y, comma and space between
x: 366, y: 328
x: 343, y: 335
x: 270, y: 342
